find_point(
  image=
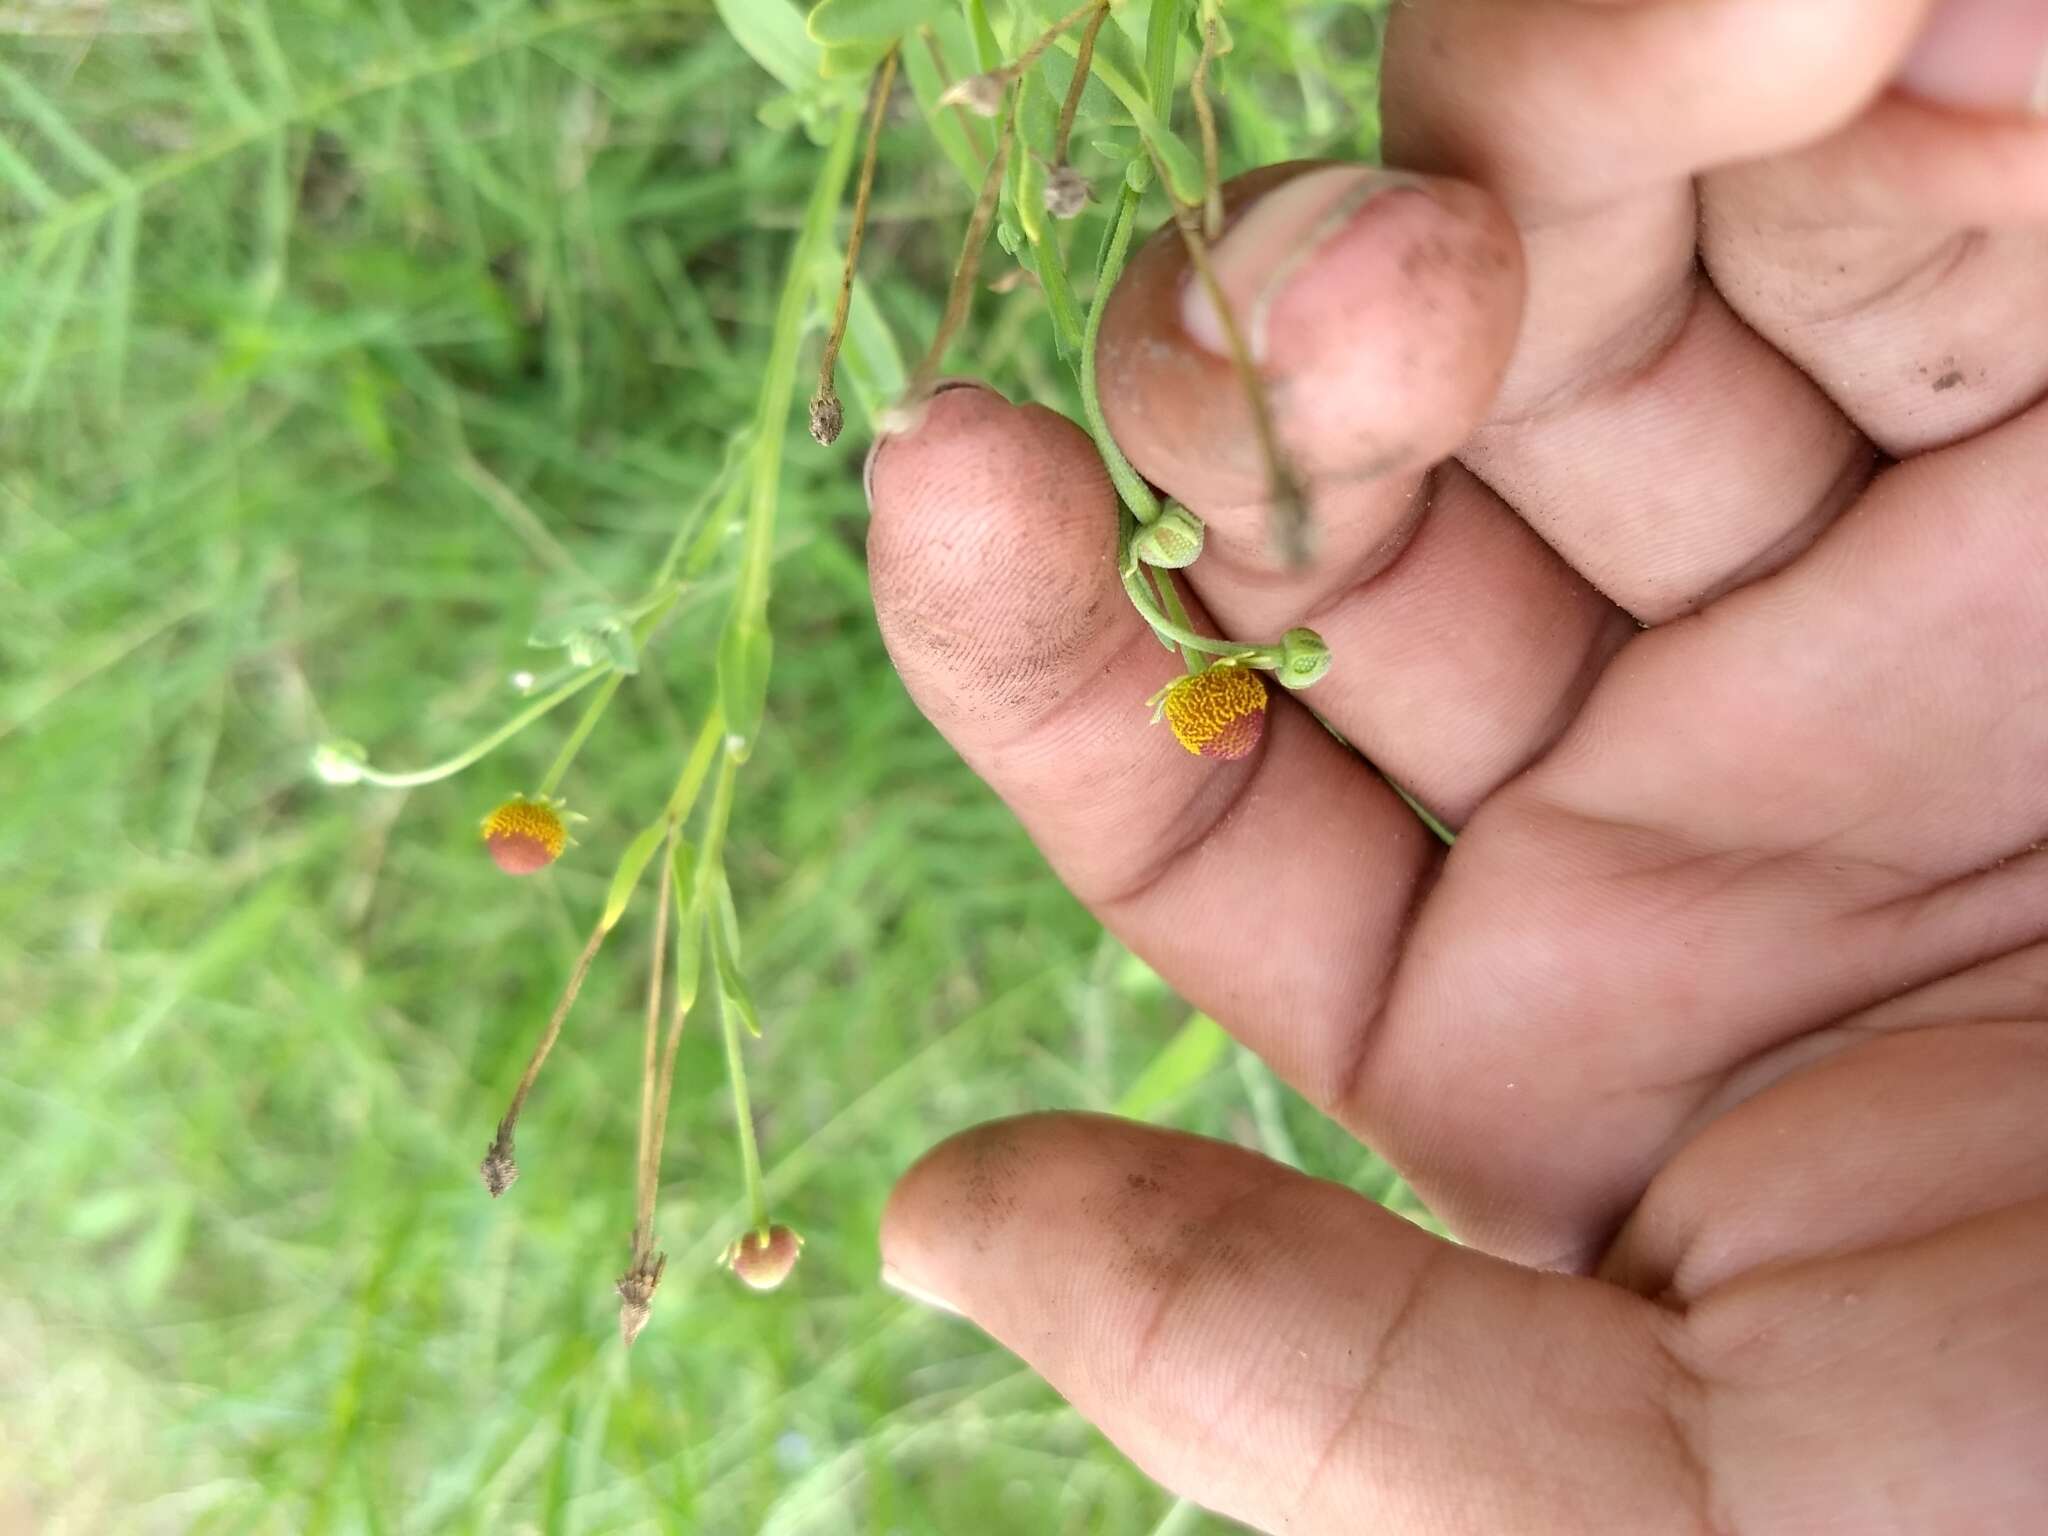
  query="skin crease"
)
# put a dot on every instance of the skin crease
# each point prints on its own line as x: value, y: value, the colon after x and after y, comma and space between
x: 1721, y: 1038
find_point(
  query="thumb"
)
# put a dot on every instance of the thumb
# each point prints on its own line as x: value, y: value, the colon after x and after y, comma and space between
x: 1283, y: 1351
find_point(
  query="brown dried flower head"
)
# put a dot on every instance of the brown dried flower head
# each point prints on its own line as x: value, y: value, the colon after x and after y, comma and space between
x: 980, y: 94
x: 636, y: 1295
x: 1066, y: 192
x: 828, y: 417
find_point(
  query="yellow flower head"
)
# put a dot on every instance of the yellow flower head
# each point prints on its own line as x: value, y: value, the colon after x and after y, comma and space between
x: 1220, y: 713
x: 525, y: 835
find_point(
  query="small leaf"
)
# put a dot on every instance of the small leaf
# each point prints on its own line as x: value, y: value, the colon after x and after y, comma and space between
x: 773, y: 34
x: 849, y: 61
x: 745, y: 653
x: 869, y: 21
x: 1181, y: 1063
x: 632, y: 864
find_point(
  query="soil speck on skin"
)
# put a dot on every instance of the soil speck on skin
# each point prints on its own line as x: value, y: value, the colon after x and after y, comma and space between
x: 1948, y: 380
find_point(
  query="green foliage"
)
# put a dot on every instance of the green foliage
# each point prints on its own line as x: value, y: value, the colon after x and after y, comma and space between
x: 341, y: 346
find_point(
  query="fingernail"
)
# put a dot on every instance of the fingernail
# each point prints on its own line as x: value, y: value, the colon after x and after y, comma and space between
x: 896, y: 1281
x: 1268, y: 243
x: 904, y: 418
x: 1983, y: 55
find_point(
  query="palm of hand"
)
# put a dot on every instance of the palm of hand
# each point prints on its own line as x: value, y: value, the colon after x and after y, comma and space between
x: 1734, y: 993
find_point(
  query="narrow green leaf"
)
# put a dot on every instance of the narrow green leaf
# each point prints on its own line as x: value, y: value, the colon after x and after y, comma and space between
x: 869, y: 21
x: 632, y: 864
x: 773, y: 35
x: 1162, y: 48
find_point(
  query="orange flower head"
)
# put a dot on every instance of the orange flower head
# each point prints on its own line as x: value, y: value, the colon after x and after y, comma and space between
x: 524, y: 835
x: 1219, y: 713
x: 764, y: 1262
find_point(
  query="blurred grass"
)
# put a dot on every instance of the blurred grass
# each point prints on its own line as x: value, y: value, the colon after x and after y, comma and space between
x: 336, y: 341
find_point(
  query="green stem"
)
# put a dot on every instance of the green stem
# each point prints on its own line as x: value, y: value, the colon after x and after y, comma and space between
x: 1135, y: 493
x: 592, y: 713
x: 1180, y: 634
x: 1169, y: 599
x: 690, y: 782
x: 750, y: 1152
x: 483, y: 747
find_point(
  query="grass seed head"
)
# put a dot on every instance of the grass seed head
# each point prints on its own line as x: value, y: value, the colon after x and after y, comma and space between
x: 763, y: 1262
x: 525, y: 836
x: 1218, y: 713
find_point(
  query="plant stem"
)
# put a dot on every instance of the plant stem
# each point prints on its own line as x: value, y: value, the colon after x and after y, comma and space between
x: 690, y: 782
x: 1135, y: 493
x: 961, y: 294
x: 646, y: 1168
x: 592, y: 713
x: 885, y: 76
x: 503, y: 1143
x: 1289, y: 518
x: 1148, y: 610
x: 1082, y: 59
x: 750, y: 1153
x: 1169, y: 600
x: 1205, y: 117
x: 484, y: 746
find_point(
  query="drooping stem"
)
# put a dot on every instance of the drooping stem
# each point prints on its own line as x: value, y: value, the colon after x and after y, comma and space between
x: 1148, y: 610
x: 1169, y: 600
x: 487, y: 744
x: 750, y: 1152
x: 1137, y: 495
x: 825, y: 412
x: 1289, y: 517
x: 592, y: 713
x: 961, y: 294
x: 645, y: 1168
x: 1083, y: 58
x: 501, y: 1145
x: 1205, y: 116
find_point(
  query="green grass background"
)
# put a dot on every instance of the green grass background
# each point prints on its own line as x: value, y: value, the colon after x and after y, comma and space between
x: 338, y: 339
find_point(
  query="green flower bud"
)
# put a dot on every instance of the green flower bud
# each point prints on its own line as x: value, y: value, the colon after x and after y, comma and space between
x: 1304, y: 659
x: 1173, y: 541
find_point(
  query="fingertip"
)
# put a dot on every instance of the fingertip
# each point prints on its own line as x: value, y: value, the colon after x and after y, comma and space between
x: 991, y: 552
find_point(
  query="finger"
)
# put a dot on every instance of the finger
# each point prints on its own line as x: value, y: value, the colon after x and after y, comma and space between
x: 992, y: 553
x: 1922, y: 331
x: 1718, y: 459
x: 1381, y: 311
x: 1281, y: 1350
x: 1823, y: 793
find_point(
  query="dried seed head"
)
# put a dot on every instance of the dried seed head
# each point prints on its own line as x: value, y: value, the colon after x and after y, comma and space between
x: 525, y: 835
x: 763, y: 1262
x: 498, y: 1168
x: 1219, y: 713
x: 979, y: 94
x: 1172, y: 541
x: 636, y: 1295
x: 1066, y: 192
x: 1304, y: 659
x: 828, y: 416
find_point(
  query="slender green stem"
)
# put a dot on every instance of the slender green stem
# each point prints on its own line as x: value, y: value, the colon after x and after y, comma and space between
x: 1148, y: 610
x: 1169, y: 600
x: 592, y: 713
x: 1135, y: 493
x: 646, y: 1163
x: 484, y: 746
x: 743, y: 1111
x: 691, y: 780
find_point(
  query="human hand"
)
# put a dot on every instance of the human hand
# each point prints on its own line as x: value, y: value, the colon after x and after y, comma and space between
x: 1722, y: 1036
